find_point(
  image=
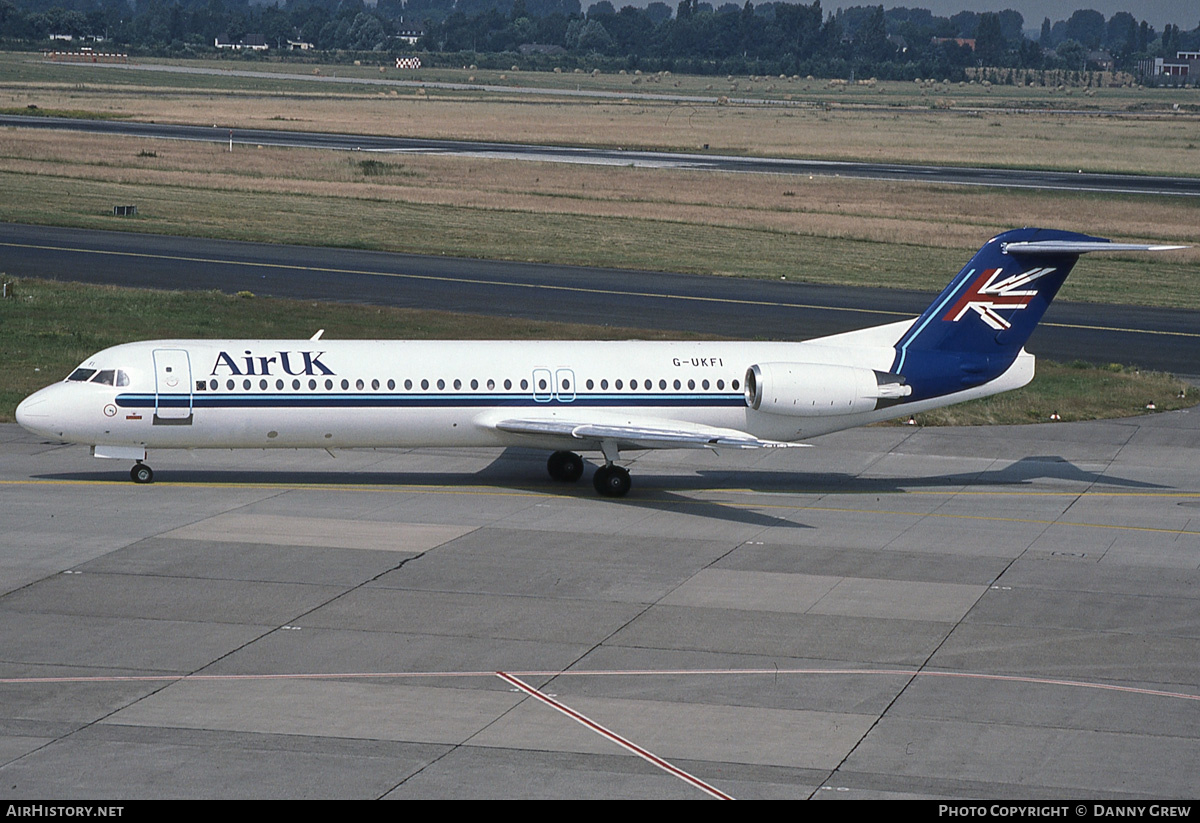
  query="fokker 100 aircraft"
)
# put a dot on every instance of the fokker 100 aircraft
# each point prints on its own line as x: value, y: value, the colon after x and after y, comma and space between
x: 567, y: 397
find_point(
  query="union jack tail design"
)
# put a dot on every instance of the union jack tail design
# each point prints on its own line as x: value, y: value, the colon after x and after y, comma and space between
x: 989, y: 293
x: 974, y: 330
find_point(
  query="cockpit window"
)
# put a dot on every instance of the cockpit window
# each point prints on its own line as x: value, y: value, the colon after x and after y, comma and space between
x: 105, y: 377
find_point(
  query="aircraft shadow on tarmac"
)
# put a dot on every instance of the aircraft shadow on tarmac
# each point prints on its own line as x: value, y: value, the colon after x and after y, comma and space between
x: 516, y: 469
x: 648, y: 495
x: 1023, y: 472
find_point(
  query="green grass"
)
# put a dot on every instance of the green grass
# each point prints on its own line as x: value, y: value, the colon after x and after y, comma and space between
x: 32, y: 110
x: 1073, y: 391
x: 491, y: 233
x: 49, y: 327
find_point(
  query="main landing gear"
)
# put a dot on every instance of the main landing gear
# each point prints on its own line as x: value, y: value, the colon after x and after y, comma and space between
x: 568, y: 467
x: 141, y: 473
x: 610, y: 480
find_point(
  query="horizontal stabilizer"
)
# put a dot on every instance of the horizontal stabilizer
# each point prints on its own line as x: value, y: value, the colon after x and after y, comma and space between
x: 1073, y: 247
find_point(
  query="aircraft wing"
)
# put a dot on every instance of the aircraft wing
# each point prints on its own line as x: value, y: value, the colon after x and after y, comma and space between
x: 656, y: 434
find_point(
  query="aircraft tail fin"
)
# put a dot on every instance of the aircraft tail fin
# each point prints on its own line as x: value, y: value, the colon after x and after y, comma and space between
x: 978, y: 325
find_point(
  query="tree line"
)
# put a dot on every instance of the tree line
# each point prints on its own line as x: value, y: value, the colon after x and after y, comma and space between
x: 694, y: 36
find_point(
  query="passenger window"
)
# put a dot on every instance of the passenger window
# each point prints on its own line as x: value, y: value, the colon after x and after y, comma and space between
x: 295, y: 385
x: 201, y: 385
x: 691, y: 384
x: 678, y: 385
x: 524, y: 384
x: 246, y: 384
x: 704, y: 385
x: 424, y: 384
x: 662, y: 384
x: 734, y: 385
x: 279, y: 385
x: 328, y: 385
x: 262, y: 384
x: 620, y: 385
x: 566, y: 384
x: 491, y: 384
x: 359, y: 384
x: 229, y: 385
x: 441, y: 384
x: 590, y: 384
x: 720, y: 384
x: 507, y: 383
x: 312, y: 384
x: 345, y: 384
x: 407, y: 385
x: 457, y: 384
x: 604, y: 384
x: 474, y: 384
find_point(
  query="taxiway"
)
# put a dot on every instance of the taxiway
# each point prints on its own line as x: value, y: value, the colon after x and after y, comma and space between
x: 899, y: 612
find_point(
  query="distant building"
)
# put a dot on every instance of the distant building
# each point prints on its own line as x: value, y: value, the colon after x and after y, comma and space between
x: 1184, y: 64
x: 1101, y: 61
x: 969, y: 42
x: 252, y: 42
x: 299, y: 45
x: 410, y: 33
x: 540, y: 48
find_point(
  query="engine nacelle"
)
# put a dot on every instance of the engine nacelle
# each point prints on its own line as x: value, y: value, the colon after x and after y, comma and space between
x: 820, y: 389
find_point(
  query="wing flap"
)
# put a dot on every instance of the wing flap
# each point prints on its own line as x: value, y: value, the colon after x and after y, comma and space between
x: 652, y: 436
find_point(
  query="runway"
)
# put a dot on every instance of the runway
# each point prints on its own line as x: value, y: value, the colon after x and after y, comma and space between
x: 1005, y: 613
x: 951, y: 175
x: 1151, y: 338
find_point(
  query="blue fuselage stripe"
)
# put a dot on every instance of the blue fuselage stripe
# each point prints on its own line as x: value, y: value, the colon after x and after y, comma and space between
x: 423, y: 401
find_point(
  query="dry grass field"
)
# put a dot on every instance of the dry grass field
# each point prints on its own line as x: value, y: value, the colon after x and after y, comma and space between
x: 1106, y: 129
x: 812, y: 229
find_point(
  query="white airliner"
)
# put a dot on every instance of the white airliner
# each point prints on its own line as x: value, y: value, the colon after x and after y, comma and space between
x: 566, y: 397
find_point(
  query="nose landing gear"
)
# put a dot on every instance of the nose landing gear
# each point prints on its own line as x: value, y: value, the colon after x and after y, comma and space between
x: 141, y: 473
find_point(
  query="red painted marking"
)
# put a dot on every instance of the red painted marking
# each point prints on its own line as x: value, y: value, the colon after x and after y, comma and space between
x: 1038, y: 681
x: 624, y: 743
x: 984, y: 292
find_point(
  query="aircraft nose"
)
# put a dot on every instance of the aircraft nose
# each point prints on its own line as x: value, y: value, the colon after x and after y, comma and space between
x: 27, y: 409
x: 34, y: 413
